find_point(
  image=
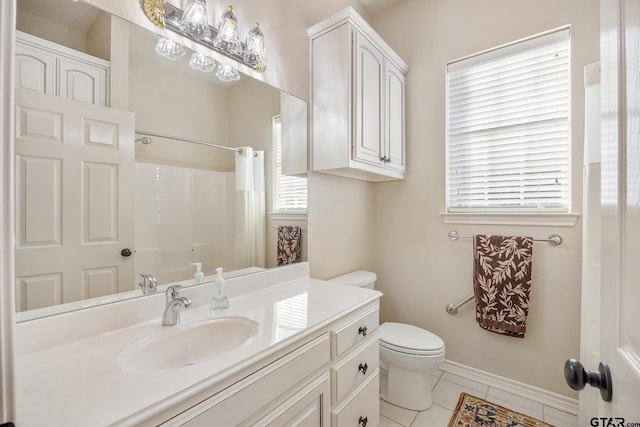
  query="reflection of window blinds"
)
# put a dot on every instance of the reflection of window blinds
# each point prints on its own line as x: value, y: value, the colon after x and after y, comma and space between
x: 290, y: 191
x: 291, y: 316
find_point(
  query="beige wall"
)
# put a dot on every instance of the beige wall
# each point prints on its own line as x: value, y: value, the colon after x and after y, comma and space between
x: 395, y: 229
x: 32, y: 24
x: 420, y: 270
x: 166, y: 101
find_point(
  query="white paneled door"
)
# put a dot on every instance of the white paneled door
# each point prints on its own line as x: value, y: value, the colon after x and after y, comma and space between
x: 620, y: 298
x: 74, y: 200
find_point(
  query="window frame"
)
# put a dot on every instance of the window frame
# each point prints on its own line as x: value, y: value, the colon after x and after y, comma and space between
x: 511, y: 215
x: 276, y: 174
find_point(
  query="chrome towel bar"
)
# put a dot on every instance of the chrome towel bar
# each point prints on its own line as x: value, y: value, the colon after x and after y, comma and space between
x: 554, y: 240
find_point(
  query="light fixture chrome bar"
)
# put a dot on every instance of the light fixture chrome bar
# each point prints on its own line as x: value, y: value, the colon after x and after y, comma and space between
x: 172, y: 22
x: 453, y: 308
x: 554, y: 239
x: 193, y: 141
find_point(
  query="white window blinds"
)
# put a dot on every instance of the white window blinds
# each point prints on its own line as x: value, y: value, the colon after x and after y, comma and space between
x: 290, y: 192
x: 508, y: 128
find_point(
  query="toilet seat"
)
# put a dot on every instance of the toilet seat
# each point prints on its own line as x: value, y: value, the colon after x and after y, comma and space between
x: 409, y: 339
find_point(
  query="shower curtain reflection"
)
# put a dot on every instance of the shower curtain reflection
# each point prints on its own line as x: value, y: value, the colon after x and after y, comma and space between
x: 250, y: 209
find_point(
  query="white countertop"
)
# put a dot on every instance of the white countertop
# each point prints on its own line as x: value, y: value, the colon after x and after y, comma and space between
x: 78, y: 383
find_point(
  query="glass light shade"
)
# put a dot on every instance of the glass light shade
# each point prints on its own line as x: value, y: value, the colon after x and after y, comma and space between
x: 194, y: 20
x: 227, y: 73
x: 227, y: 38
x: 169, y: 49
x: 254, y: 54
x: 201, y: 62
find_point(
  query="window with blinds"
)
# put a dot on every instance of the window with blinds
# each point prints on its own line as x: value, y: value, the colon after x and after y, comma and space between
x: 290, y: 192
x: 508, y: 128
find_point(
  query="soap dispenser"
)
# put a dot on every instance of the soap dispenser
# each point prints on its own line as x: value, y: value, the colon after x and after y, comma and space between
x: 198, y: 276
x: 220, y: 299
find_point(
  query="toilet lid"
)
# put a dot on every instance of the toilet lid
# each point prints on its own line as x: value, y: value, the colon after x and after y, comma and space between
x: 409, y: 339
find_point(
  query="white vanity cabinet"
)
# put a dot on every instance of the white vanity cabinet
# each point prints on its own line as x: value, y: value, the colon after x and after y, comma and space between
x: 357, y: 101
x: 52, y: 69
x: 330, y: 380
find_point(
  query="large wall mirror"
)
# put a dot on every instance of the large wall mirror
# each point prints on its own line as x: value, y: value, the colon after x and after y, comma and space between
x: 114, y: 177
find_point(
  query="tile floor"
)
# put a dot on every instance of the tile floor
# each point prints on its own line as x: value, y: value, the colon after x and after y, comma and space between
x: 446, y: 391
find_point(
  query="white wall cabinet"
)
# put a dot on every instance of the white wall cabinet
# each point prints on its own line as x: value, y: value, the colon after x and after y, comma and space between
x: 329, y: 380
x: 49, y: 68
x: 357, y: 101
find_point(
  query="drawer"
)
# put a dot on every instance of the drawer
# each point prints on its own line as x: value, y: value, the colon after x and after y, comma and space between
x: 361, y: 408
x: 354, y: 369
x: 354, y: 332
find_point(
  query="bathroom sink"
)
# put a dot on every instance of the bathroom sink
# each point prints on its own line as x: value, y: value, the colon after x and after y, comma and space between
x: 183, y: 345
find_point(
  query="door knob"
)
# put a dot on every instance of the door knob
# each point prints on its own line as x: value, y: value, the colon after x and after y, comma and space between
x: 577, y: 377
x: 125, y: 252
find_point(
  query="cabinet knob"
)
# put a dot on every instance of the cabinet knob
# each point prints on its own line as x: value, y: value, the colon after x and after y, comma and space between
x: 363, y: 367
x: 362, y: 421
x: 362, y: 331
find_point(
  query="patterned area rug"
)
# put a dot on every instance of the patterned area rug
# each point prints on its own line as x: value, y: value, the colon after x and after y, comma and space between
x: 472, y: 411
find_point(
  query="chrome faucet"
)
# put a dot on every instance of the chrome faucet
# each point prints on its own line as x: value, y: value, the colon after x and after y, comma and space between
x: 148, y: 284
x: 175, y: 303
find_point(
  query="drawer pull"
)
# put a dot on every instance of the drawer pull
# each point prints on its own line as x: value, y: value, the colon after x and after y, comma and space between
x: 363, y: 367
x: 362, y: 331
x: 362, y: 421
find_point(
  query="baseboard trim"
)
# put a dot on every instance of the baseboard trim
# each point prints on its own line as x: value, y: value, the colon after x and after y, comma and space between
x: 537, y: 394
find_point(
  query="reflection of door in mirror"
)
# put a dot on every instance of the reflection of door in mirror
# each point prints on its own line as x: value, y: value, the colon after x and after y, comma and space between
x: 74, y: 168
x: 184, y: 195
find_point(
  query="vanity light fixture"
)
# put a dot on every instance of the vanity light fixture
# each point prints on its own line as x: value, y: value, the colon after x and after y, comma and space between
x: 201, y: 62
x: 228, y: 38
x: 194, y: 20
x: 227, y: 73
x: 192, y: 23
x: 169, y: 49
x: 254, y: 53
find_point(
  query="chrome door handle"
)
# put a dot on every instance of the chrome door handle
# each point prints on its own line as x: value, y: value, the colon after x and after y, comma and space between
x: 577, y: 377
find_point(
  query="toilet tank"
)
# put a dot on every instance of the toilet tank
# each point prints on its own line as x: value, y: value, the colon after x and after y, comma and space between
x: 361, y: 278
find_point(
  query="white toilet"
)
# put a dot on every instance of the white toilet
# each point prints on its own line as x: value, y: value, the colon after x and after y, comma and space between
x: 407, y: 355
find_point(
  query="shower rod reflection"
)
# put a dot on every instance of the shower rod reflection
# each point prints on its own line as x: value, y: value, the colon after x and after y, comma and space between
x: 177, y: 138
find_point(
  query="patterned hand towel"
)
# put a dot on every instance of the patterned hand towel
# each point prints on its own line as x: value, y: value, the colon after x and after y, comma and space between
x: 289, y: 244
x: 501, y: 282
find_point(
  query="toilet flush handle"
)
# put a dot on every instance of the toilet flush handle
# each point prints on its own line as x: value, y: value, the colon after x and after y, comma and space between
x: 362, y: 331
x: 362, y: 421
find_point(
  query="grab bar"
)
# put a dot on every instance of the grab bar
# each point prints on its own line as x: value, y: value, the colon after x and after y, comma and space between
x: 453, y: 308
x: 554, y: 240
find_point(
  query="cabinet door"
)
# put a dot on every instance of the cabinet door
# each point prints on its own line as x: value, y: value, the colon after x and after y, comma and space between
x: 369, y: 101
x: 34, y: 69
x: 394, y: 117
x: 81, y: 82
